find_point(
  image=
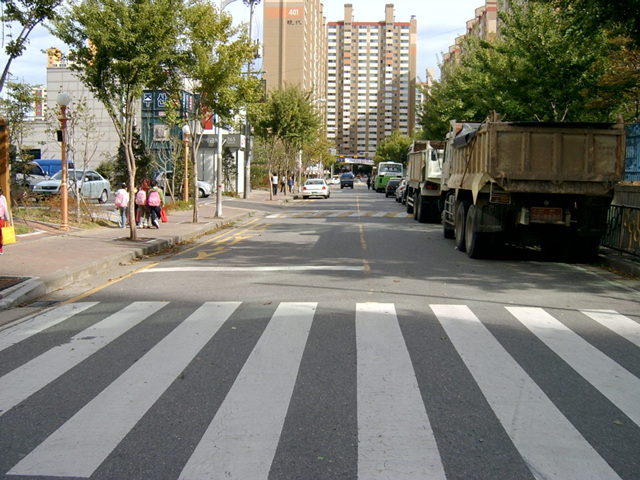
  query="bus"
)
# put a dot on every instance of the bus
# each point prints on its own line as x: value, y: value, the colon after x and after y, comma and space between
x: 386, y: 171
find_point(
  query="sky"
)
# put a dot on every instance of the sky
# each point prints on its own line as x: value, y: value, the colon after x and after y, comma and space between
x: 439, y: 23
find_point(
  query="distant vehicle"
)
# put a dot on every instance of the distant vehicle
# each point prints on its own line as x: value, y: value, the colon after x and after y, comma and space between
x: 53, y: 166
x: 315, y: 187
x: 400, y: 191
x: 39, y: 170
x: 392, y: 185
x: 346, y: 180
x: 334, y: 180
x: 204, y: 188
x: 386, y: 171
x: 424, y: 174
x: 89, y: 183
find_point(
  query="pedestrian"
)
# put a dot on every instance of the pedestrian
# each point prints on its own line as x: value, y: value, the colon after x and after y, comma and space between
x: 4, y: 215
x: 283, y: 185
x: 142, y: 209
x: 368, y: 182
x: 290, y: 183
x: 122, y: 204
x: 155, y: 202
x: 274, y: 183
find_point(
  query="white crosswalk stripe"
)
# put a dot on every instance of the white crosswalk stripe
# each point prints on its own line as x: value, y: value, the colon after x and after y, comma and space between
x: 394, y: 433
x: 34, y: 375
x: 240, y: 438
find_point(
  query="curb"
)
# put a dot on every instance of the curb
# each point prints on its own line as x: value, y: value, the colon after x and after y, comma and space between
x: 36, y: 287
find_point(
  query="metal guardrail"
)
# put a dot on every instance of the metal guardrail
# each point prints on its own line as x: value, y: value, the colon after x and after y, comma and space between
x: 623, y: 229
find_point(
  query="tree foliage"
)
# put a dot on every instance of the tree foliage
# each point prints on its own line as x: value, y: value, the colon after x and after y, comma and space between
x: 285, y: 124
x: 546, y: 65
x: 393, y: 149
x: 214, y: 53
x: 120, y: 47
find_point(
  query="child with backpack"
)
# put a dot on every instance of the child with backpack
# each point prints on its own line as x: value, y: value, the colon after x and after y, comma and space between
x: 122, y: 204
x: 142, y: 209
x: 155, y: 201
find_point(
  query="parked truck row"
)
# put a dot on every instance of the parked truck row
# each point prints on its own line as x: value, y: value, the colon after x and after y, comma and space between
x: 547, y: 185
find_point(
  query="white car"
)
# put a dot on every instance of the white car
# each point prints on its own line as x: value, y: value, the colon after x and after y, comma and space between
x: 315, y: 187
x: 204, y: 188
x: 334, y: 180
x: 90, y: 183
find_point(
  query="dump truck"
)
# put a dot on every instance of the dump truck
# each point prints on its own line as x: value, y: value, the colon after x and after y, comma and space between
x: 546, y: 185
x: 424, y: 174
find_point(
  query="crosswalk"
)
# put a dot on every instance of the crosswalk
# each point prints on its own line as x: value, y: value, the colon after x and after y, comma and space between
x: 339, y: 214
x: 297, y: 390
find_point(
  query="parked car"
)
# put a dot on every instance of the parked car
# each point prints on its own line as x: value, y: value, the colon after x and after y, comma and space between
x: 204, y: 188
x: 392, y: 186
x: 346, y: 180
x: 315, y: 187
x: 38, y: 170
x: 400, y: 191
x: 89, y: 183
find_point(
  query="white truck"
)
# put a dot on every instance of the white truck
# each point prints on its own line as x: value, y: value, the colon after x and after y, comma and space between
x: 424, y: 174
x: 547, y: 185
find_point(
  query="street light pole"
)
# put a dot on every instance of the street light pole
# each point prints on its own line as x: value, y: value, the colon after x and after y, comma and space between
x: 63, y: 100
x: 185, y: 135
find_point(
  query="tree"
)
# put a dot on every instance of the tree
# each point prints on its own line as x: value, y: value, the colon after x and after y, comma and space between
x: 26, y: 15
x: 393, y: 149
x: 545, y: 66
x: 16, y: 109
x: 286, y: 123
x: 120, y: 47
x: 214, y: 52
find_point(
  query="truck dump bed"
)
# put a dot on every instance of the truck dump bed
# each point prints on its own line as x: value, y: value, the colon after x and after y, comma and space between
x: 578, y: 158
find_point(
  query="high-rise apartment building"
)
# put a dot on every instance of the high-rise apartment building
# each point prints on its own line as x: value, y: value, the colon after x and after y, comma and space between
x: 295, y: 46
x: 363, y: 73
x: 371, y: 82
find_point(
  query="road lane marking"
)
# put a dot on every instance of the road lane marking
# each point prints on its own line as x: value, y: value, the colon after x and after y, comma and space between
x: 79, y: 446
x: 24, y: 381
x: 40, y: 323
x: 547, y: 441
x: 618, y: 323
x: 272, y: 268
x: 616, y: 383
x: 241, y: 440
x: 395, y: 439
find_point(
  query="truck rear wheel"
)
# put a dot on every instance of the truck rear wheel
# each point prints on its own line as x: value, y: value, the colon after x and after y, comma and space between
x: 475, y: 243
x: 421, y: 210
x: 460, y: 221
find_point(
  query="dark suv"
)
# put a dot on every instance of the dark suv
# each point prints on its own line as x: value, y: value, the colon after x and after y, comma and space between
x: 346, y: 180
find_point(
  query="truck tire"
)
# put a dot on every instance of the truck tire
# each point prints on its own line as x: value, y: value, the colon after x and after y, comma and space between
x: 476, y: 244
x: 459, y: 226
x: 410, y: 208
x: 421, y: 210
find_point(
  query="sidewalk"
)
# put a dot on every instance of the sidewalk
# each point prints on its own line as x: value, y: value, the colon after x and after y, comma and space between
x: 39, y: 264
x: 43, y: 262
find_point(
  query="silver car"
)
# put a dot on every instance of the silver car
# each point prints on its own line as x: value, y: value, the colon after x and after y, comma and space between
x: 89, y: 183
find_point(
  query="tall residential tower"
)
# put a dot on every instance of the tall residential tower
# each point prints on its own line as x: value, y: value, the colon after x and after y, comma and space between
x: 371, y: 81
x: 295, y: 45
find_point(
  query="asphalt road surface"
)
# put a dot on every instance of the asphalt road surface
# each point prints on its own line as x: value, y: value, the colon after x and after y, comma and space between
x: 328, y: 339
